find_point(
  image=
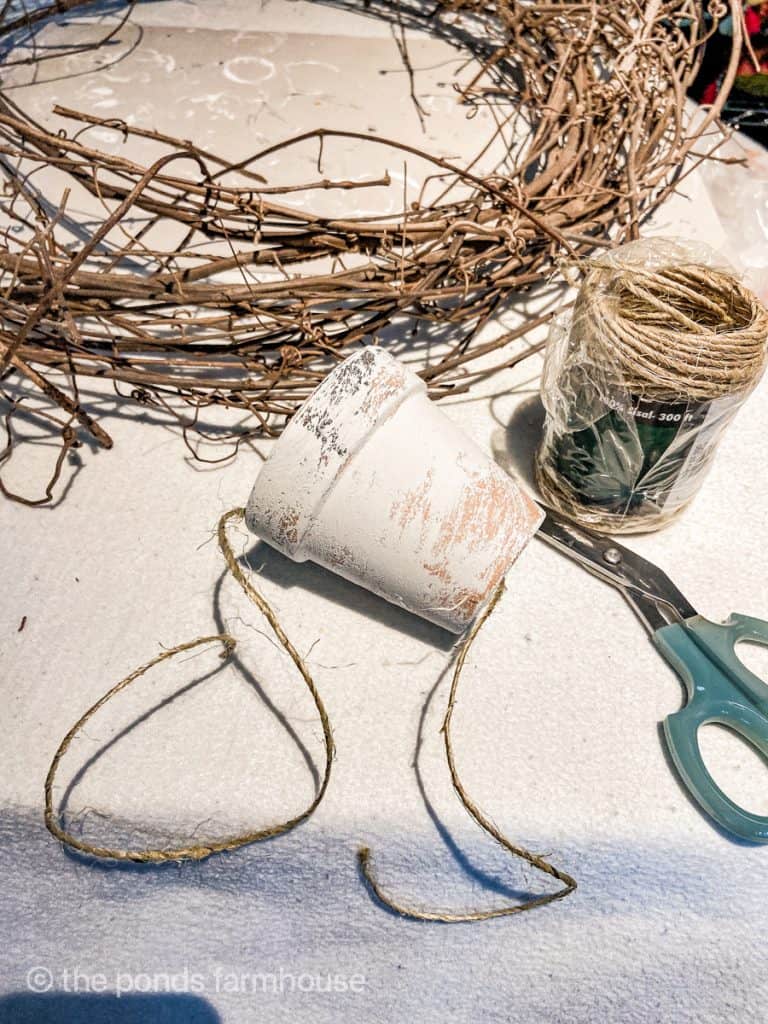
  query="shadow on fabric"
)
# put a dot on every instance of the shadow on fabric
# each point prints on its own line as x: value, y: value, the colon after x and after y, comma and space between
x: 105, y: 1008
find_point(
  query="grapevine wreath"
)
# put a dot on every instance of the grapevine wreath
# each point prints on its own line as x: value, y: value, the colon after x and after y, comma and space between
x: 593, y: 92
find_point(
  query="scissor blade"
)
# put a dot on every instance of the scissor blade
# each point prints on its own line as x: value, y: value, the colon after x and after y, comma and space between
x: 643, y: 583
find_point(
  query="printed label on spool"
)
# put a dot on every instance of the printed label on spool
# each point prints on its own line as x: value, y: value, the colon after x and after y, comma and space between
x: 642, y: 455
x: 677, y: 439
x: 658, y: 414
x: 717, y: 414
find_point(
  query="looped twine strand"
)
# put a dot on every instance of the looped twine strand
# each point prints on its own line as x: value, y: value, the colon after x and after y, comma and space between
x: 196, y: 851
x: 200, y: 851
x: 538, y: 862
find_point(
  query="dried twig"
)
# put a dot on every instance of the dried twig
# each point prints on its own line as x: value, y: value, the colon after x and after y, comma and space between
x: 598, y: 89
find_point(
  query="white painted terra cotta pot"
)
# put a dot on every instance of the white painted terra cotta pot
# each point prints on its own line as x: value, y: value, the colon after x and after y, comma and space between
x: 371, y: 480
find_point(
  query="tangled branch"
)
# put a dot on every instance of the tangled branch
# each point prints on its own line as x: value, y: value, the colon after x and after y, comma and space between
x: 257, y: 298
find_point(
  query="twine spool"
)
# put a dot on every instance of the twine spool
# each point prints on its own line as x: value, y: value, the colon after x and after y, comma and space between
x: 662, y: 349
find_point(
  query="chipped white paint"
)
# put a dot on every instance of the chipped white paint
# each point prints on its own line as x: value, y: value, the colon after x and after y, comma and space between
x: 371, y: 479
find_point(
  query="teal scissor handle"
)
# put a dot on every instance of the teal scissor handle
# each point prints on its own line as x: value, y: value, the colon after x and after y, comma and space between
x: 720, y: 689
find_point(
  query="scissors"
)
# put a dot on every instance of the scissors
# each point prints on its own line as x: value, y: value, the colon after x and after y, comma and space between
x: 720, y: 687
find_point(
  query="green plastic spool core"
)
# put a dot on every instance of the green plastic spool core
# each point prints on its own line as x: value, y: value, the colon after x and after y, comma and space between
x: 632, y: 453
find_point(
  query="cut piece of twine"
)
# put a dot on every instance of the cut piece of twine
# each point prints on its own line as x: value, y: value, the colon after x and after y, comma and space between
x: 199, y: 851
x: 446, y: 917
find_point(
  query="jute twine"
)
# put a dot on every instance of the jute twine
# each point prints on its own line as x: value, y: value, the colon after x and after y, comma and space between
x: 685, y: 332
x: 201, y: 850
x: 364, y: 854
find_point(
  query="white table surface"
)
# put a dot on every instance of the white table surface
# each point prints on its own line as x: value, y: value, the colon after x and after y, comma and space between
x: 557, y: 733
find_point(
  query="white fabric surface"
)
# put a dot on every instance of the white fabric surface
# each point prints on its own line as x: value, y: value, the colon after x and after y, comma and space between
x: 556, y: 735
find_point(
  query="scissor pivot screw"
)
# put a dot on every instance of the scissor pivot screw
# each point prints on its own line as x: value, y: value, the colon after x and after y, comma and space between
x: 612, y: 556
